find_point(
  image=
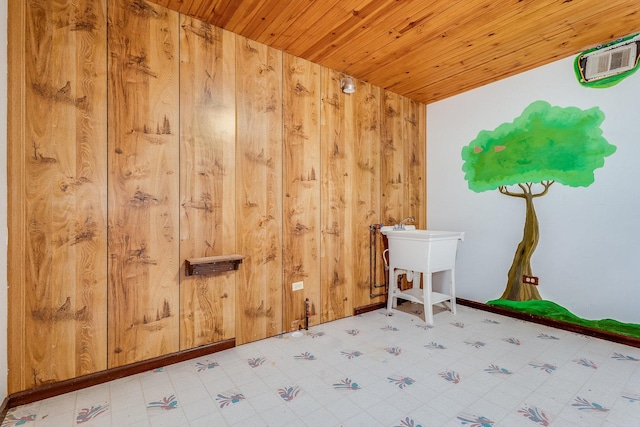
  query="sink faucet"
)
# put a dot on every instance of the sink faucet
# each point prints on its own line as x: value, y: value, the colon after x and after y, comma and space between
x: 400, y: 226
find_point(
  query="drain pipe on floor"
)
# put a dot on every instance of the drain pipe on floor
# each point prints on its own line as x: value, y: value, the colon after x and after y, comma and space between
x: 374, y: 230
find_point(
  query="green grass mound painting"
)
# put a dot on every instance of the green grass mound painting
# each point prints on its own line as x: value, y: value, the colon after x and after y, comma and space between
x: 554, y: 311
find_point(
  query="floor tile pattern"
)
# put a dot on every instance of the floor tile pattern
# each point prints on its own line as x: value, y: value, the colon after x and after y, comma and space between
x: 474, y: 369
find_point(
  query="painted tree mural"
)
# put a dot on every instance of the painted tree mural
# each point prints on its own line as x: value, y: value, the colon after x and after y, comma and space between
x: 543, y: 146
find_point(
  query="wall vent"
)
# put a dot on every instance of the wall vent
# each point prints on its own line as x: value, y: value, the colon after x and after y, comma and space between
x: 607, y: 62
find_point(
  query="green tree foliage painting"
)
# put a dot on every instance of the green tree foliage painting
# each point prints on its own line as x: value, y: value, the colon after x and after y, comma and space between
x: 543, y: 146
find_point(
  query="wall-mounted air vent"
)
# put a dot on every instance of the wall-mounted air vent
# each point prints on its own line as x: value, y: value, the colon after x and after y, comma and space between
x: 614, y: 60
x: 608, y: 64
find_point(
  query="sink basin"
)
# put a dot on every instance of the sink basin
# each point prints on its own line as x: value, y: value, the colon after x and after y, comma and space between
x: 426, y: 252
x: 423, y: 250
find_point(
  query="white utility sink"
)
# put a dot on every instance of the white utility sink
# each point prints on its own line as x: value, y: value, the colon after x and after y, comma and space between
x: 422, y: 252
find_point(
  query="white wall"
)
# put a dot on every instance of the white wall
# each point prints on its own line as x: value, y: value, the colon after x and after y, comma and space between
x: 3, y: 200
x: 589, y: 250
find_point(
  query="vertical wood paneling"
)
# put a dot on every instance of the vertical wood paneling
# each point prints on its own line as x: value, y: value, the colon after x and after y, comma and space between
x: 415, y: 161
x: 16, y: 182
x: 207, y: 174
x: 259, y: 190
x: 301, y: 180
x: 393, y: 179
x: 366, y: 182
x: 143, y: 181
x: 60, y: 318
x: 90, y: 237
x: 337, y: 160
x: 216, y: 145
x: 392, y: 169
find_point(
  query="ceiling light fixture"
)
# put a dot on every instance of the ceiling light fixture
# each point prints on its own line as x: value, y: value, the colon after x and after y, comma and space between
x: 347, y: 85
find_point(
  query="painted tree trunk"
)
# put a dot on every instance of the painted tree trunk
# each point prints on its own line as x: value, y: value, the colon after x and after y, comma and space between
x: 516, y: 289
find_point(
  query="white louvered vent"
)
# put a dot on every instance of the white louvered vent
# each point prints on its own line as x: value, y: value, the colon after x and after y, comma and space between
x: 610, y: 61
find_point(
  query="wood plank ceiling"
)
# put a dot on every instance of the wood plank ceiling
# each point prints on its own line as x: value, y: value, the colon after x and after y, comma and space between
x: 425, y: 50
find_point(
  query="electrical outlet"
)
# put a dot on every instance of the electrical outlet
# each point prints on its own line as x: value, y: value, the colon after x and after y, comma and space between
x: 298, y: 285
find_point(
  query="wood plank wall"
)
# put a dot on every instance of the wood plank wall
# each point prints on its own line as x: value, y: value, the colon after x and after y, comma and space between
x: 337, y: 246
x: 176, y: 140
x: 144, y: 168
x: 301, y: 186
x: 259, y: 190
x: 57, y: 260
x: 367, y: 195
x: 415, y: 160
x: 393, y: 160
x: 207, y: 179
